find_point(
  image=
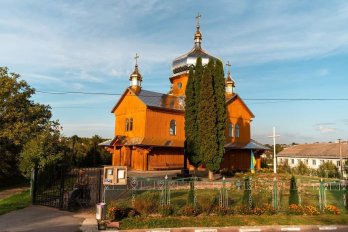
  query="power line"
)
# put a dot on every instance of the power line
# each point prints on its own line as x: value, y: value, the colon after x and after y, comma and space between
x: 246, y: 99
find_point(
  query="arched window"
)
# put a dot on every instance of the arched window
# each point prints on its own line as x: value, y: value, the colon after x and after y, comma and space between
x: 172, y: 127
x: 237, y: 131
x: 127, y: 124
x: 230, y: 130
x: 131, y: 124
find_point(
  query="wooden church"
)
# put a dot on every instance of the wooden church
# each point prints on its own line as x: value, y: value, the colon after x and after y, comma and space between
x: 149, y: 126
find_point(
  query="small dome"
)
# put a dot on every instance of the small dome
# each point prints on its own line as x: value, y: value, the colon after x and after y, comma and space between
x: 136, y: 74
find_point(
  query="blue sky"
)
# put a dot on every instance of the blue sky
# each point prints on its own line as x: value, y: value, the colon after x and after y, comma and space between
x: 278, y: 49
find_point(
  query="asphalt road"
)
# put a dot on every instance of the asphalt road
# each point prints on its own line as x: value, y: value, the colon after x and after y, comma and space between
x: 40, y: 219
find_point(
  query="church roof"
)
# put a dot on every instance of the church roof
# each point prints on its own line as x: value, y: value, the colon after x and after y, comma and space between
x: 121, y: 140
x: 156, y: 100
x: 160, y: 100
x: 317, y: 150
x: 252, y: 145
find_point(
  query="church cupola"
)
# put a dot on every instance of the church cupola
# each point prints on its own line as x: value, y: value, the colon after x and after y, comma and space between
x: 229, y: 82
x: 183, y: 63
x: 135, y: 78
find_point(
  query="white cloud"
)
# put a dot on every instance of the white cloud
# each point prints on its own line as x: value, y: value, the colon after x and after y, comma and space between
x: 326, y: 129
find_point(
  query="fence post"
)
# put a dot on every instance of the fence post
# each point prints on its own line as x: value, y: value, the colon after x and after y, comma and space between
x: 275, y: 194
x: 100, y: 182
x: 321, y: 195
x: 33, y: 184
x: 61, y: 188
x: 223, y: 194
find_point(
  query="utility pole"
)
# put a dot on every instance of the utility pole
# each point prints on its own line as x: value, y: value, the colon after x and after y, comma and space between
x: 340, y: 152
x: 274, y: 151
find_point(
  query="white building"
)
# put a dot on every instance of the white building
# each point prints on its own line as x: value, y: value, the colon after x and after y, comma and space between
x: 313, y: 155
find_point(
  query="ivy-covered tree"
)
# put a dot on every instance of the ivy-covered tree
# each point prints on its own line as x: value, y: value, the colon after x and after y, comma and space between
x: 207, y: 121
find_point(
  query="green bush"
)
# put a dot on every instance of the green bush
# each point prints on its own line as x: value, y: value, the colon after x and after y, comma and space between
x: 166, y: 210
x: 191, y: 197
x: 148, y: 203
x: 293, y: 198
x: 283, y: 168
x: 301, y: 169
x: 189, y: 211
x: 206, y: 204
x: 328, y: 169
x: 221, y: 211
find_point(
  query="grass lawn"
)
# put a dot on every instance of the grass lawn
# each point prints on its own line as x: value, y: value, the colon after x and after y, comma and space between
x: 234, y: 220
x: 14, y: 202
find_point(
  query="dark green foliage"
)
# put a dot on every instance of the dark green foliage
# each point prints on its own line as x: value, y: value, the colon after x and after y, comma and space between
x: 166, y: 210
x: 44, y: 149
x: 293, y: 198
x: 189, y: 211
x: 20, y: 119
x: 191, y: 197
x: 191, y: 121
x: 207, y: 120
x: 328, y: 170
x: 198, y: 75
x: 301, y: 169
x: 85, y: 152
x: 247, y: 200
x: 219, y: 92
x: 205, y: 114
x: 148, y: 203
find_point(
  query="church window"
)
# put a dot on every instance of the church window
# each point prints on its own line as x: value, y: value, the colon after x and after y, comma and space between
x: 179, y: 85
x: 230, y: 130
x: 131, y: 124
x: 237, y: 131
x: 172, y: 127
x: 127, y: 124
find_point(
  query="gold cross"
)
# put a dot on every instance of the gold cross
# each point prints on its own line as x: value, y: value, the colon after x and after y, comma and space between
x: 136, y: 58
x: 198, y: 17
x: 229, y: 66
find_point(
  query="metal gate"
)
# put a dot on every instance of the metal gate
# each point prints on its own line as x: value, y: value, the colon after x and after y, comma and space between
x: 66, y: 188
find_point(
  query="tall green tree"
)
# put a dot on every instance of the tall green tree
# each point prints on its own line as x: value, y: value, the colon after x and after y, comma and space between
x: 191, y: 121
x: 44, y: 149
x: 207, y: 120
x: 20, y: 119
x: 221, y: 117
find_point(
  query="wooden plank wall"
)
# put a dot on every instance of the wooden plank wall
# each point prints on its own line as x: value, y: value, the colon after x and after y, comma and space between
x: 162, y: 158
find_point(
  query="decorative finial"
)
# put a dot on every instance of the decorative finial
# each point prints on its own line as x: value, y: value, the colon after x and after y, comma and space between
x: 228, y: 64
x: 198, y: 35
x: 136, y: 58
x: 198, y: 17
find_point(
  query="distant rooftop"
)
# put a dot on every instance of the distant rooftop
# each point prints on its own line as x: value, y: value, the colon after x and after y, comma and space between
x: 317, y: 150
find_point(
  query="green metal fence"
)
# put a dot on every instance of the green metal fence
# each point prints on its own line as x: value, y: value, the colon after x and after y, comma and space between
x: 228, y: 193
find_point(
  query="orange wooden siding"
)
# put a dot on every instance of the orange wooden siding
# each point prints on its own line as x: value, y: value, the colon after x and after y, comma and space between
x: 179, y: 79
x: 166, y: 158
x: 130, y: 107
x: 239, y: 160
x: 238, y: 114
x: 158, y: 124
